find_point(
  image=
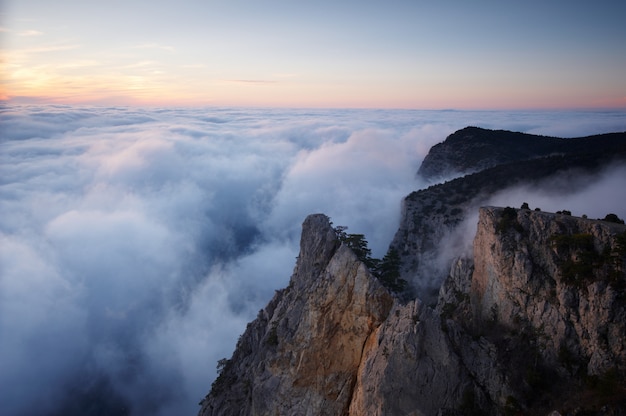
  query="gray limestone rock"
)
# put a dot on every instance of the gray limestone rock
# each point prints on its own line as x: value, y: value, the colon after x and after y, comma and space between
x: 530, y: 318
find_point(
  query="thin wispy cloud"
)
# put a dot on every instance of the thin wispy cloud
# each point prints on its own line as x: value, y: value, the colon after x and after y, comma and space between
x: 141, y: 64
x: 155, y: 46
x: 81, y: 63
x: 251, y: 81
x: 30, y: 33
x: 29, y: 53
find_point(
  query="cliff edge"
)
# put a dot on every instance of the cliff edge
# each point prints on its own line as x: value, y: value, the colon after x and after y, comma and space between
x: 534, y: 319
x: 544, y: 293
x: 302, y: 353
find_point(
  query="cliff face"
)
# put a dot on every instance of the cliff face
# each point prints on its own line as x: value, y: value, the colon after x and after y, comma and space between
x: 546, y: 296
x: 561, y: 276
x: 431, y: 216
x: 302, y: 353
x: 334, y: 342
x: 534, y: 318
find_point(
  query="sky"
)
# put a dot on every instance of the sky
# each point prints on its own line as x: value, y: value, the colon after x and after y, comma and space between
x: 137, y: 243
x: 337, y: 54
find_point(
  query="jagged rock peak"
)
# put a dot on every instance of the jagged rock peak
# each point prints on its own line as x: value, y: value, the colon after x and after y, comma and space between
x: 302, y: 353
x: 318, y: 243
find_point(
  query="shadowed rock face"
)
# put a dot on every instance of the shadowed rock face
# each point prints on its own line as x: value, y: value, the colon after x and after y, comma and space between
x: 546, y: 295
x: 562, y: 276
x: 336, y: 342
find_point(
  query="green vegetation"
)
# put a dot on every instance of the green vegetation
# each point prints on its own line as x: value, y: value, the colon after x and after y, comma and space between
x: 613, y: 218
x: 272, y: 337
x: 386, y: 270
x: 583, y: 262
x: 223, y: 381
x: 358, y: 244
x: 581, y: 257
x: 508, y: 221
x: 447, y: 311
x: 620, y: 240
x: 469, y: 405
x: 607, y: 384
x: 571, y: 242
x: 512, y: 406
x: 568, y: 359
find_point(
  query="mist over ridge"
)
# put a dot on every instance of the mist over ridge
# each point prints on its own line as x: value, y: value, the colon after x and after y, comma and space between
x: 136, y: 244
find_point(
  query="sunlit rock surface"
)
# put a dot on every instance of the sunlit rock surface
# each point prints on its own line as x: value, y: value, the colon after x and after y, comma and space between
x: 302, y: 354
x: 517, y: 328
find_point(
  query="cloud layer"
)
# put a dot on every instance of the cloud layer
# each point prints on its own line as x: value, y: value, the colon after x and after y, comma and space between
x: 136, y: 244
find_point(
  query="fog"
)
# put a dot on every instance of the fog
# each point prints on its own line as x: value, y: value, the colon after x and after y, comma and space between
x: 583, y: 194
x: 137, y: 243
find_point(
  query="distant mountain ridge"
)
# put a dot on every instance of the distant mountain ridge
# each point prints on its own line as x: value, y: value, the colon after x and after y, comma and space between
x: 473, y: 149
x: 531, y: 321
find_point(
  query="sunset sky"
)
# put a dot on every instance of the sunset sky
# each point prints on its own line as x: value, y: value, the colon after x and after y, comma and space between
x: 393, y: 54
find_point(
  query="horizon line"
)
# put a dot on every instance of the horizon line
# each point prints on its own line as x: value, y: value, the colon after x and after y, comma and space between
x: 31, y: 101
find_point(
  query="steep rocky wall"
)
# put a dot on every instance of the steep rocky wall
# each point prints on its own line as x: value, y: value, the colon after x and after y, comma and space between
x: 410, y: 367
x: 520, y: 328
x: 544, y: 293
x: 302, y: 353
x: 562, y: 275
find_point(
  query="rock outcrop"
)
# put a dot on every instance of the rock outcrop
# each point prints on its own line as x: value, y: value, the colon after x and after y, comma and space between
x: 518, y: 328
x: 531, y: 320
x: 562, y: 277
x: 546, y: 296
x: 302, y: 353
x: 431, y: 216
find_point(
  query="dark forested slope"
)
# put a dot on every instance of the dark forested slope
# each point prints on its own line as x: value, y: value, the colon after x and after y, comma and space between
x: 473, y: 149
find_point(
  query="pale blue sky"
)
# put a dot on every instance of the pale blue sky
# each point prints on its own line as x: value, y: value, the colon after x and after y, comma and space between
x: 409, y: 54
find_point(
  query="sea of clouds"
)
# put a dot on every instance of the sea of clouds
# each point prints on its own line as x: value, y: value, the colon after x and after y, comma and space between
x: 137, y: 243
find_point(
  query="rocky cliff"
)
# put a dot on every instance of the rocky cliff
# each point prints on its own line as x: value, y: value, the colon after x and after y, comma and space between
x: 546, y: 298
x: 302, y: 353
x: 532, y: 318
x: 431, y: 217
x: 529, y: 320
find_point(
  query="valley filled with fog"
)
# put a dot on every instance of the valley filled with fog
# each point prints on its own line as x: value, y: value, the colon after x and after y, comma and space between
x: 135, y: 244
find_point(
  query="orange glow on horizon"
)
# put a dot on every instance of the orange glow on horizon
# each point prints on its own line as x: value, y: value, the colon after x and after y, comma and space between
x: 48, y: 84
x: 150, y: 83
